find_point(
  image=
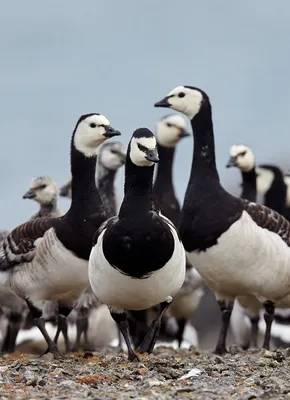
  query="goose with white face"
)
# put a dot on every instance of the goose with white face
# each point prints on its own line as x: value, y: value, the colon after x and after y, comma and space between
x: 112, y: 155
x: 143, y: 151
x: 91, y: 131
x: 185, y: 99
x: 42, y: 189
x: 241, y: 157
x: 170, y: 130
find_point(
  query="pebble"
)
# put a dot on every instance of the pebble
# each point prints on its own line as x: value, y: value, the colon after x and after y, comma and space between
x: 68, y: 384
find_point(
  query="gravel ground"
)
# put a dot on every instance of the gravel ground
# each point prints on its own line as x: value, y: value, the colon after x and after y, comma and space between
x: 107, y: 375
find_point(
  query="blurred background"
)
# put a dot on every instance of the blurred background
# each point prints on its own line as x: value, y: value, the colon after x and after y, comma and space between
x: 61, y: 59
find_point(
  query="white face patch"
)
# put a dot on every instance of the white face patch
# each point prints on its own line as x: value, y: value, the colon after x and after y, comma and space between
x: 44, y: 189
x: 245, y: 159
x: 188, y: 101
x: 112, y: 155
x: 137, y: 156
x: 90, y: 133
x: 265, y: 178
x: 169, y: 129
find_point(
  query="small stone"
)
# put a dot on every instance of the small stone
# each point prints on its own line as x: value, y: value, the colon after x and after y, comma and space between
x: 219, y: 360
x: 58, y: 371
x: 3, y: 369
x: 267, y: 353
x: 279, y: 356
x: 41, y: 382
x: 274, y: 364
x: 32, y: 382
x: 68, y: 384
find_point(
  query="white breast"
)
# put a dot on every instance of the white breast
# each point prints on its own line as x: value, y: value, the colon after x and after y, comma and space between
x: 247, y: 261
x: 183, y: 306
x: 123, y: 292
x: 265, y: 179
x: 55, y: 273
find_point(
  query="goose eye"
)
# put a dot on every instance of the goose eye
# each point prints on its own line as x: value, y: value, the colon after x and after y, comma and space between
x: 113, y: 151
x: 41, y: 187
x: 93, y: 125
x: 243, y: 153
x: 181, y: 94
x: 169, y: 124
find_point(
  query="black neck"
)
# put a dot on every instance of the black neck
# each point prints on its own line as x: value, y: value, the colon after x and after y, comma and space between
x: 105, y: 184
x: 203, y: 162
x: 164, y: 169
x: 138, y: 189
x: 48, y: 207
x: 249, y: 185
x: 85, y: 195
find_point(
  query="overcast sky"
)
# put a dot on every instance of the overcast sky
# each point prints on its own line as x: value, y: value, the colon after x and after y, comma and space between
x: 61, y: 59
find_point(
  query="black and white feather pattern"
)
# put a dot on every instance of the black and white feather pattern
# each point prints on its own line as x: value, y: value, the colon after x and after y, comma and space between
x: 269, y: 219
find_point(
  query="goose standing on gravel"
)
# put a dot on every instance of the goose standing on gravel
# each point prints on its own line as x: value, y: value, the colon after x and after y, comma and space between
x: 169, y: 131
x: 44, y: 191
x: 239, y: 248
x: 111, y: 157
x: 47, y: 258
x: 243, y: 158
x: 137, y: 260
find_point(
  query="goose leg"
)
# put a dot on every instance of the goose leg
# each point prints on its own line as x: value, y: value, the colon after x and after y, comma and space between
x: 181, y: 325
x: 80, y: 330
x: 13, y: 327
x: 268, y: 316
x: 149, y: 341
x: 121, y: 319
x: 64, y: 311
x: 226, y: 312
x: 62, y: 327
x: 40, y: 323
x: 255, y: 329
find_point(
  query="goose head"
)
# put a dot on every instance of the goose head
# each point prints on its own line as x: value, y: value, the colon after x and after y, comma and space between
x: 241, y: 157
x: 142, y: 149
x: 42, y: 189
x: 170, y: 130
x: 187, y: 99
x: 112, y: 155
x: 90, y: 132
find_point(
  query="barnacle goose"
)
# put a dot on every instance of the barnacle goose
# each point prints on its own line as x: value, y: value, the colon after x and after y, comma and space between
x: 169, y: 131
x: 111, y: 157
x: 240, y: 248
x: 47, y: 258
x: 44, y: 191
x: 242, y: 157
x: 137, y: 260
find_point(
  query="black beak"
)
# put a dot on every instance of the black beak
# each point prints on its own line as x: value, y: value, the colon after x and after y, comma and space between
x: 232, y: 162
x: 29, y: 195
x: 163, y: 103
x: 183, y: 133
x: 152, y: 155
x: 110, y: 132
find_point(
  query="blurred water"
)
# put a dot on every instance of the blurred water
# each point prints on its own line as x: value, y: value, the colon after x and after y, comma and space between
x: 64, y: 58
